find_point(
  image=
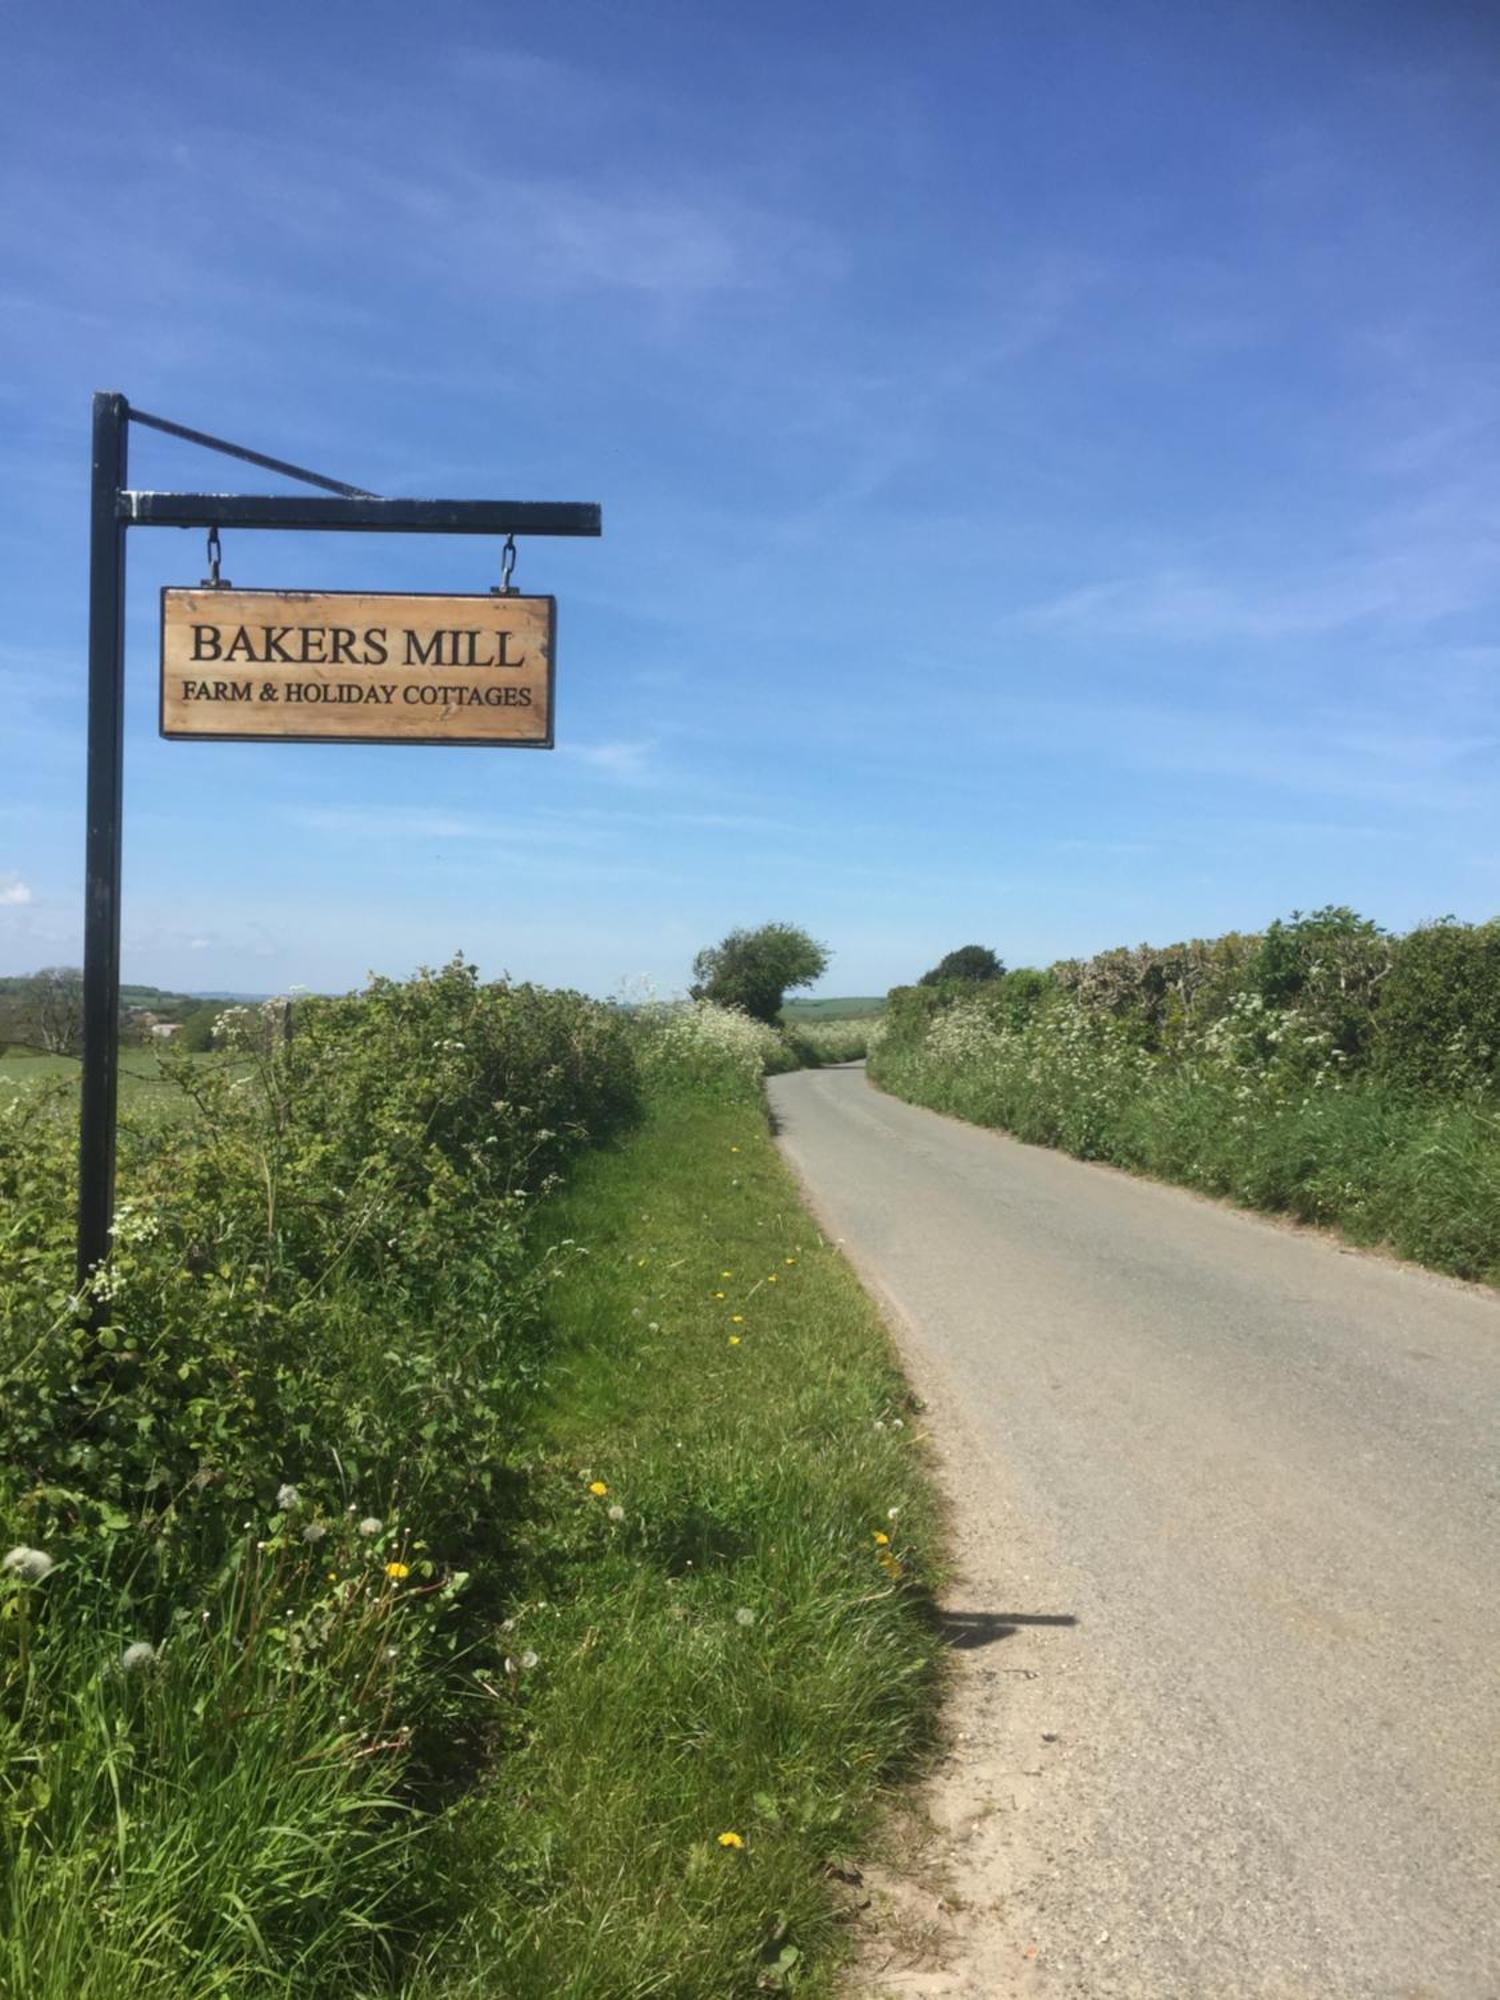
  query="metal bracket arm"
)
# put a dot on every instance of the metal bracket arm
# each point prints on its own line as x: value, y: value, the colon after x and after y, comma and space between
x: 363, y: 514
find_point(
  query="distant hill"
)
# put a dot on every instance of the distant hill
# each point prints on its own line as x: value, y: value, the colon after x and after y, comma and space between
x: 858, y: 1009
x: 163, y: 1000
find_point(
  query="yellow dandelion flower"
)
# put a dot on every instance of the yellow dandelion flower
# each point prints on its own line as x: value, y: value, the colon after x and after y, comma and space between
x: 734, y: 1340
x: 598, y: 1488
x: 333, y: 1576
x: 736, y: 1319
x: 726, y: 1274
x: 721, y: 1295
x: 770, y: 1277
x: 788, y: 1260
x: 731, y: 1840
x: 882, y: 1539
x: 397, y: 1570
x: 734, y: 1149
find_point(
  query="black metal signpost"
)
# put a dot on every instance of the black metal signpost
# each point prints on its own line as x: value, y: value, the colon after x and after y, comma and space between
x: 113, y: 509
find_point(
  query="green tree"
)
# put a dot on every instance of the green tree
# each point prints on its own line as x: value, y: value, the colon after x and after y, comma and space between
x: 755, y: 970
x: 49, y: 1005
x: 970, y: 961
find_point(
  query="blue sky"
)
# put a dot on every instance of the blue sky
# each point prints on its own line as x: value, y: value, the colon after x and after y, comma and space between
x: 1050, y: 459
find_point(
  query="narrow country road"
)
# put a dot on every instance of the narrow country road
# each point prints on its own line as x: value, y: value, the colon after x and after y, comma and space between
x: 1262, y: 1474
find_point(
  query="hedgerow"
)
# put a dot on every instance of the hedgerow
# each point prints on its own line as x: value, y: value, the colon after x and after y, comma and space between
x: 1322, y: 1068
x: 267, y: 1463
x: 267, y: 1492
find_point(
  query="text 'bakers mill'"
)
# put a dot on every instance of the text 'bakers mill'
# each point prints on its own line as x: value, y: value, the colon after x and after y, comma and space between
x: 347, y: 645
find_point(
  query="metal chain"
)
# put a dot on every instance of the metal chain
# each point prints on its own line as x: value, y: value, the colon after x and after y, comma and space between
x: 215, y: 555
x: 506, y: 588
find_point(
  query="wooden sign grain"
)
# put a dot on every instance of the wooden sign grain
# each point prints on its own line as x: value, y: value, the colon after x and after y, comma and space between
x: 357, y: 667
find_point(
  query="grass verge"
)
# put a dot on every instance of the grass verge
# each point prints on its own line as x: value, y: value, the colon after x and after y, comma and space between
x: 716, y: 1660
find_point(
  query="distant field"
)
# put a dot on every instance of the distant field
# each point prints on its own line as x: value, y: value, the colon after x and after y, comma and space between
x: 143, y: 1090
x: 857, y: 1009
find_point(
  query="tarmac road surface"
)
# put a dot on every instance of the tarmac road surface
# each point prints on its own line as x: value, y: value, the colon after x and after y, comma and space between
x: 1262, y: 1473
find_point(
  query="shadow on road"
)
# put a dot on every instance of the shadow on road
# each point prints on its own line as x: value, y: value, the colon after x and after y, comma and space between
x: 965, y: 1631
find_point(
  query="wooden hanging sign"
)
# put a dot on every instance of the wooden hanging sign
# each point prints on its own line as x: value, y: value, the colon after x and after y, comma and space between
x: 305, y: 666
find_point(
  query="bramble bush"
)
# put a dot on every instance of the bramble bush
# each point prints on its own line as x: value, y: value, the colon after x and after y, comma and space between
x: 283, y: 1301
x: 1323, y: 1068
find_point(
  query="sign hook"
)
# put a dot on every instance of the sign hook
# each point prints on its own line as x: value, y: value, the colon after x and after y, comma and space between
x: 505, y: 587
x: 215, y: 555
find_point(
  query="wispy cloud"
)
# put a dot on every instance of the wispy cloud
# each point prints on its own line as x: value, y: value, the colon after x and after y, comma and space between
x: 1394, y: 761
x: 407, y: 824
x: 14, y: 893
x: 584, y: 826
x: 628, y: 761
x: 1399, y: 587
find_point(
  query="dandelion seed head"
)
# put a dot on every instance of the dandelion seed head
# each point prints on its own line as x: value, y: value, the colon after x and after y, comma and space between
x: 617, y: 1512
x: 744, y: 1616
x: 370, y: 1526
x: 31, y: 1563
x: 529, y: 1660
x: 137, y: 1657
x: 314, y: 1533
x: 287, y: 1497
